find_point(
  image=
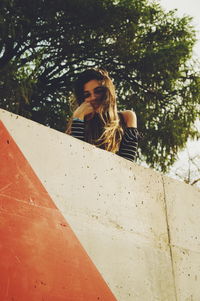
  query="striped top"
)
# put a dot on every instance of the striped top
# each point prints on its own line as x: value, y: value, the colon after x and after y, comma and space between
x: 128, y: 145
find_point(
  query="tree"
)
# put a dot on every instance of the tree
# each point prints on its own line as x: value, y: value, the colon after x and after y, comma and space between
x: 147, y: 51
x: 190, y: 171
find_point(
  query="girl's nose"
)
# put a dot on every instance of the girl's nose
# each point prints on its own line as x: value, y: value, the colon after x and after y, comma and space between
x: 92, y: 97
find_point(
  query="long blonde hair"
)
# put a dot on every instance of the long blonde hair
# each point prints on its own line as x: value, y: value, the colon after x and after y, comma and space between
x: 112, y: 130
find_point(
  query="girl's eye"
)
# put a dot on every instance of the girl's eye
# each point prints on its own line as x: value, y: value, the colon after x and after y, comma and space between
x: 99, y: 90
x: 86, y: 95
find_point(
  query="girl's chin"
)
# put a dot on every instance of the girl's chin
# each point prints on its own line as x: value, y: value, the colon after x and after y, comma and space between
x: 95, y: 107
x: 89, y: 116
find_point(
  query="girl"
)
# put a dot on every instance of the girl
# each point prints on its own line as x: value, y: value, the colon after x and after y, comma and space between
x: 96, y: 119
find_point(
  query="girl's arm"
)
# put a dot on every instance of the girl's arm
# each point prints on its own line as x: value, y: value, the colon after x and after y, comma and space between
x: 77, y: 129
x: 129, y: 143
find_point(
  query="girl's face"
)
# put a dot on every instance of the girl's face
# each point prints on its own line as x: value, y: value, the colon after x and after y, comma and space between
x: 93, y: 92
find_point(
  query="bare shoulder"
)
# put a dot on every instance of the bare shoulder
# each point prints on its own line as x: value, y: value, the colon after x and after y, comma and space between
x: 130, y: 118
x: 128, y: 114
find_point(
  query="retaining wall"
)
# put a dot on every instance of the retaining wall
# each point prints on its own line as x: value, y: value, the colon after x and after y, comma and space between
x: 139, y: 228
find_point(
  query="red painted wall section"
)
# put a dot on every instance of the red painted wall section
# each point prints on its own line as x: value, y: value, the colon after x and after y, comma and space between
x: 40, y: 257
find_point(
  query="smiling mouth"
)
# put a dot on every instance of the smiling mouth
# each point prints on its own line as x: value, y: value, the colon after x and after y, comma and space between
x: 95, y: 104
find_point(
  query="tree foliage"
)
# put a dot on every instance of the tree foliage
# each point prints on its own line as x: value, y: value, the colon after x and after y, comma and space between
x: 190, y: 171
x: 147, y: 51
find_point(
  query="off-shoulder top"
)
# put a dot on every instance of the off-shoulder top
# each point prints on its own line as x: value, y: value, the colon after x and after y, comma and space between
x: 129, y: 142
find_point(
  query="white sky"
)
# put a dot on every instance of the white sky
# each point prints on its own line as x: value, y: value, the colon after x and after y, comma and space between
x: 191, y: 8
x: 186, y: 7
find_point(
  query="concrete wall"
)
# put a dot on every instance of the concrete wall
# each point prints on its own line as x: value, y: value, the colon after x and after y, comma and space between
x: 140, y: 228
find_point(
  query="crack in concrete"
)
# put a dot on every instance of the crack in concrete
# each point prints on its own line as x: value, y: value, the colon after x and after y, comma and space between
x: 169, y: 238
x: 5, y: 187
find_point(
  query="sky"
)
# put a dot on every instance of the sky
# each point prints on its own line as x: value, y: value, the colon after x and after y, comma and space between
x: 186, y: 7
x: 190, y: 8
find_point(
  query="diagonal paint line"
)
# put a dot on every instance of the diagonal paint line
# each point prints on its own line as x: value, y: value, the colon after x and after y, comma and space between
x: 52, y: 264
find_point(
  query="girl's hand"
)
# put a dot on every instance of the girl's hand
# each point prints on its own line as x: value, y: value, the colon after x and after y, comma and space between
x: 84, y: 109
